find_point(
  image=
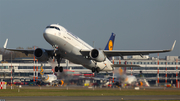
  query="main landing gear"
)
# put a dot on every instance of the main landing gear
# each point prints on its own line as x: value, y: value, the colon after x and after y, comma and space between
x: 97, y: 69
x: 58, y: 58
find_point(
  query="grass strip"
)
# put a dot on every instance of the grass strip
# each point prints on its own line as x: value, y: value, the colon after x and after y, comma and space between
x: 84, y: 92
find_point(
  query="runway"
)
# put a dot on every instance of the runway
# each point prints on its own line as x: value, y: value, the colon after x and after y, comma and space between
x: 94, y: 98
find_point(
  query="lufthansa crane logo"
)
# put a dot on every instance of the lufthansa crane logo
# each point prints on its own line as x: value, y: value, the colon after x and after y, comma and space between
x: 47, y: 78
x: 110, y: 45
x: 42, y: 70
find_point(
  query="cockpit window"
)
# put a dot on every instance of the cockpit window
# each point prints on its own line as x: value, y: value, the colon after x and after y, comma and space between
x: 53, y: 27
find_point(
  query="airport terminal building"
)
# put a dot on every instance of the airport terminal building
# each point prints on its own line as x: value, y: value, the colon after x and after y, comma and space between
x: 153, y: 69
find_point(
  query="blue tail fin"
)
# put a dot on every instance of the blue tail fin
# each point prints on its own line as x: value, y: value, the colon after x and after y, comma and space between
x: 110, y: 43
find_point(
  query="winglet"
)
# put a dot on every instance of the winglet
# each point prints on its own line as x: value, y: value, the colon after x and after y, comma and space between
x: 5, y: 44
x: 173, y: 45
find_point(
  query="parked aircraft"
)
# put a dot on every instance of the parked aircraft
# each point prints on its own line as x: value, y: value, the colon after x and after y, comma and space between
x: 124, y: 78
x: 48, y: 78
x: 69, y: 46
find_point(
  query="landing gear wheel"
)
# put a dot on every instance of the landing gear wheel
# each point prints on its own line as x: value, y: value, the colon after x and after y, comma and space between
x: 56, y: 69
x: 97, y: 69
x: 93, y: 69
x: 61, y: 69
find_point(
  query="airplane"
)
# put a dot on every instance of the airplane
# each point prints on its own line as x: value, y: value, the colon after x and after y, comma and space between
x: 52, y: 78
x: 48, y: 78
x: 125, y: 79
x: 69, y: 46
x: 120, y: 76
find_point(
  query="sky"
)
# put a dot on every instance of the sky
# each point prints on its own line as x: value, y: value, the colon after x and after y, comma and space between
x: 138, y: 24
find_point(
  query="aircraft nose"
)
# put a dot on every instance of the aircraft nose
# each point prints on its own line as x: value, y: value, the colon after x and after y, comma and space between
x: 47, y: 34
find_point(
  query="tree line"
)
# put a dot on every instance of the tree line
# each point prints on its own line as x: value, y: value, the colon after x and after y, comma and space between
x: 7, y: 55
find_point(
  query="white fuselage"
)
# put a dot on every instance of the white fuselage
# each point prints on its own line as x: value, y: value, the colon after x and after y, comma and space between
x: 126, y: 79
x: 130, y: 79
x: 69, y: 47
x: 48, y: 78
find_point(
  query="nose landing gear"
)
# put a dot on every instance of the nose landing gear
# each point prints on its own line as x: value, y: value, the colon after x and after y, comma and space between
x: 58, y: 57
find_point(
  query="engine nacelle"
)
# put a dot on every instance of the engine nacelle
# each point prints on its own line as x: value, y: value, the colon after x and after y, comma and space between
x: 41, y: 54
x: 97, y: 55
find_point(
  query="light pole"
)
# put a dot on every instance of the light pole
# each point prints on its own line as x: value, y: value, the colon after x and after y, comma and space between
x: 11, y: 70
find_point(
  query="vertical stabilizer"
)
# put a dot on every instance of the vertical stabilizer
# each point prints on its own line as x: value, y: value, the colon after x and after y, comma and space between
x: 110, y: 43
x: 42, y: 71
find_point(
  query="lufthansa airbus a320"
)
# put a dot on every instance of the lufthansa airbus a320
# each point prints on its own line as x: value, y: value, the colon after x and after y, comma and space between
x: 68, y: 46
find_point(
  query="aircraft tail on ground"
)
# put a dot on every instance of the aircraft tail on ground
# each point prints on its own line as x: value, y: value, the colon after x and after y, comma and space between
x: 110, y: 43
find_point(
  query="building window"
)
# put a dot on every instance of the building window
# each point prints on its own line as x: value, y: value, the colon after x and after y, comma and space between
x: 48, y: 67
x: 161, y: 68
x: 3, y: 67
x: 29, y: 67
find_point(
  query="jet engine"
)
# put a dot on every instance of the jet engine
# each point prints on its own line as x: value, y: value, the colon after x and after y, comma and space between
x: 41, y: 54
x: 97, y: 55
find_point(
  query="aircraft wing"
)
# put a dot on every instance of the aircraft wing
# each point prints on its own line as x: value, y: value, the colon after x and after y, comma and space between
x: 26, y: 51
x: 110, y: 53
x: 136, y: 52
